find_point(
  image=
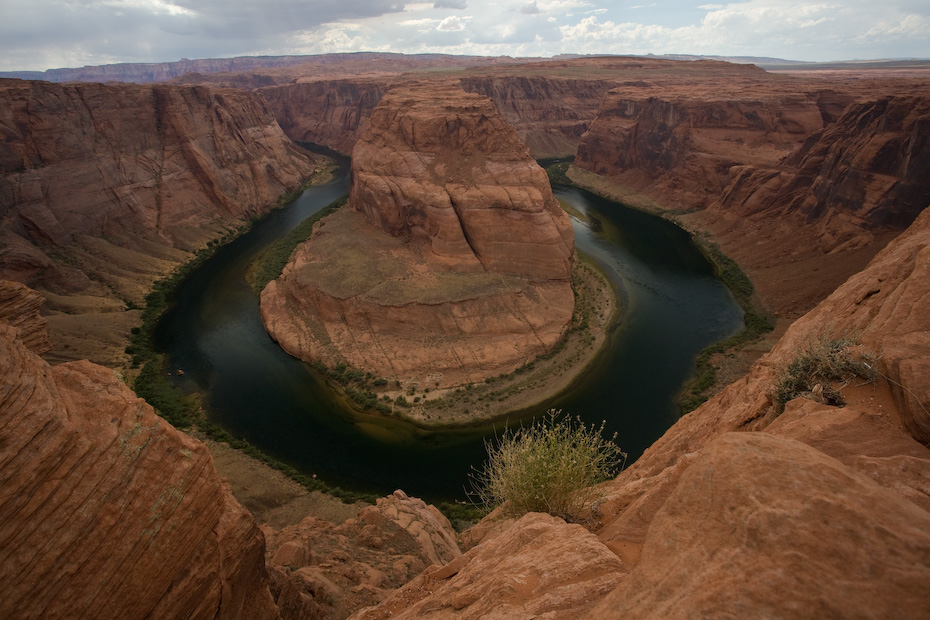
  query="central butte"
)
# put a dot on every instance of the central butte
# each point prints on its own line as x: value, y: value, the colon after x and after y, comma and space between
x: 452, y: 262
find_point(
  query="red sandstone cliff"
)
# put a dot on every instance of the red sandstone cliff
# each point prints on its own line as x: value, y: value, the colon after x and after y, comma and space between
x: 108, y: 511
x: 801, y: 181
x: 737, y: 511
x: 452, y: 262
x: 104, y: 189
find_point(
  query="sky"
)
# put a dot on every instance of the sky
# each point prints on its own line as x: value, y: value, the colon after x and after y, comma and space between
x: 42, y: 34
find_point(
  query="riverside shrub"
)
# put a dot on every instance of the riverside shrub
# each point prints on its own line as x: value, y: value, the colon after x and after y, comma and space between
x: 550, y: 466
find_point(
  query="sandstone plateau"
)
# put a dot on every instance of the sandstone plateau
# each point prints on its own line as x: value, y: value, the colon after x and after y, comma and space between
x: 452, y: 262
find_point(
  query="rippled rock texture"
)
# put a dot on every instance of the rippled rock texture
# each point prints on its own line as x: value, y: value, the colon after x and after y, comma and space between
x: 107, y: 510
x: 452, y: 262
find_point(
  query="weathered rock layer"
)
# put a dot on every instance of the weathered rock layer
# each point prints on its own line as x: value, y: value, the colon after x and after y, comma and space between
x: 108, y: 511
x: 453, y: 261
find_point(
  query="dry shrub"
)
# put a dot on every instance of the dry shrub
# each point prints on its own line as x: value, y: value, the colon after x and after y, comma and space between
x: 550, y: 466
x: 825, y: 361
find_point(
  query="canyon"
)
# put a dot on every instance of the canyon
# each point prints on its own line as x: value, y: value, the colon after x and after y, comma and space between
x: 816, y: 186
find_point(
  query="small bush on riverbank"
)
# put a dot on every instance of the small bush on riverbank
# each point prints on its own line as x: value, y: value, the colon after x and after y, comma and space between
x: 550, y: 467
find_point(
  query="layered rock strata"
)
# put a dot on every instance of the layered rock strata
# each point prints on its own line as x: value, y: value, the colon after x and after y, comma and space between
x: 452, y: 262
x: 106, y: 188
x: 107, y: 510
x: 826, y: 507
x: 801, y: 181
x: 128, y: 166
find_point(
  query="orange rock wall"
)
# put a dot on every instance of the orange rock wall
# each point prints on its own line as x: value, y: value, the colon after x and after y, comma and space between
x: 108, y: 511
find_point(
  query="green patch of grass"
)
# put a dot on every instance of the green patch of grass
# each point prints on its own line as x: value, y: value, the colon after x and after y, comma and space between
x: 269, y: 265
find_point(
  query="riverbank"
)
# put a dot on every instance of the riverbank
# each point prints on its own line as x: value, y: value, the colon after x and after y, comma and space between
x: 723, y: 362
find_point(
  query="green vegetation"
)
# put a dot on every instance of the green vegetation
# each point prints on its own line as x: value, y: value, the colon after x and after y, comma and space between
x: 757, y: 322
x: 269, y: 265
x: 823, y: 362
x: 550, y: 466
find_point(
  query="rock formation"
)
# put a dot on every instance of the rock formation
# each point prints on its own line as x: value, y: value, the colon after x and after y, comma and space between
x: 107, y: 510
x: 825, y: 508
x: 337, y: 569
x: 333, y: 113
x: 452, y: 262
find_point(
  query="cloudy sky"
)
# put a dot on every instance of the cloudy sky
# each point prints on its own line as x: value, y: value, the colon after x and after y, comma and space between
x: 42, y: 34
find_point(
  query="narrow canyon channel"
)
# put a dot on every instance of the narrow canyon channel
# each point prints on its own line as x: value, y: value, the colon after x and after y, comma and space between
x: 672, y: 307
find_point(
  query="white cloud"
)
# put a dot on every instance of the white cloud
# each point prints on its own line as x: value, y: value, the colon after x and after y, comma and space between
x: 452, y: 23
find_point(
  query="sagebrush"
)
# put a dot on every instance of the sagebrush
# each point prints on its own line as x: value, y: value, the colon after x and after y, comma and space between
x: 825, y: 361
x: 550, y: 466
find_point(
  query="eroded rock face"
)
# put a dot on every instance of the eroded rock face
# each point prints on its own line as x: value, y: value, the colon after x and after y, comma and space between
x: 452, y: 262
x: 538, y: 567
x: 107, y: 510
x: 98, y: 170
x: 19, y: 307
x: 338, y: 569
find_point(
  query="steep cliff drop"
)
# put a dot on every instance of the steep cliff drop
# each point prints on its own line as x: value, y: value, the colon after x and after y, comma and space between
x: 800, y: 181
x: 452, y: 262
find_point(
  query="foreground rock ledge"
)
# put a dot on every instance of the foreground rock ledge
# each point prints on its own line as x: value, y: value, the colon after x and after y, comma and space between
x: 452, y: 262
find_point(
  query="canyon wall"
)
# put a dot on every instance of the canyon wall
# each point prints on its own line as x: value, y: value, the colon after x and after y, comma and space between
x: 452, y: 262
x: 801, y: 181
x: 826, y: 508
x: 104, y: 189
x: 333, y: 113
x: 107, y: 510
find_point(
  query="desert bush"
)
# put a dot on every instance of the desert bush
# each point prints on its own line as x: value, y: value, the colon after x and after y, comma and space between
x: 825, y: 361
x: 550, y: 466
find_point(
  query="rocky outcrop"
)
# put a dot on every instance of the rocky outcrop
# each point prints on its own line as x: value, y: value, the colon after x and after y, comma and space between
x: 520, y: 573
x: 337, y: 569
x: 19, y: 308
x: 452, y: 262
x: 826, y: 507
x: 108, y: 511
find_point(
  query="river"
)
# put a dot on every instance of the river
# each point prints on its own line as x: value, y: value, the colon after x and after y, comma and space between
x: 672, y: 306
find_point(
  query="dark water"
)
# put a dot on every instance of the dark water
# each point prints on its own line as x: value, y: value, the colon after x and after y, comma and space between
x: 673, y: 307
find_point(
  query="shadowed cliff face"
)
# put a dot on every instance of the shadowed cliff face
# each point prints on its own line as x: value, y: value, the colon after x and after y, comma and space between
x: 107, y: 510
x: 143, y: 168
x: 451, y: 263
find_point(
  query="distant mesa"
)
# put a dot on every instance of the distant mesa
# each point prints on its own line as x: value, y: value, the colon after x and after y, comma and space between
x: 452, y: 261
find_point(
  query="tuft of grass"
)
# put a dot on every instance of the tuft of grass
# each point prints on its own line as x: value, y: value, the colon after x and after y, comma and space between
x: 551, y: 466
x: 823, y: 362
